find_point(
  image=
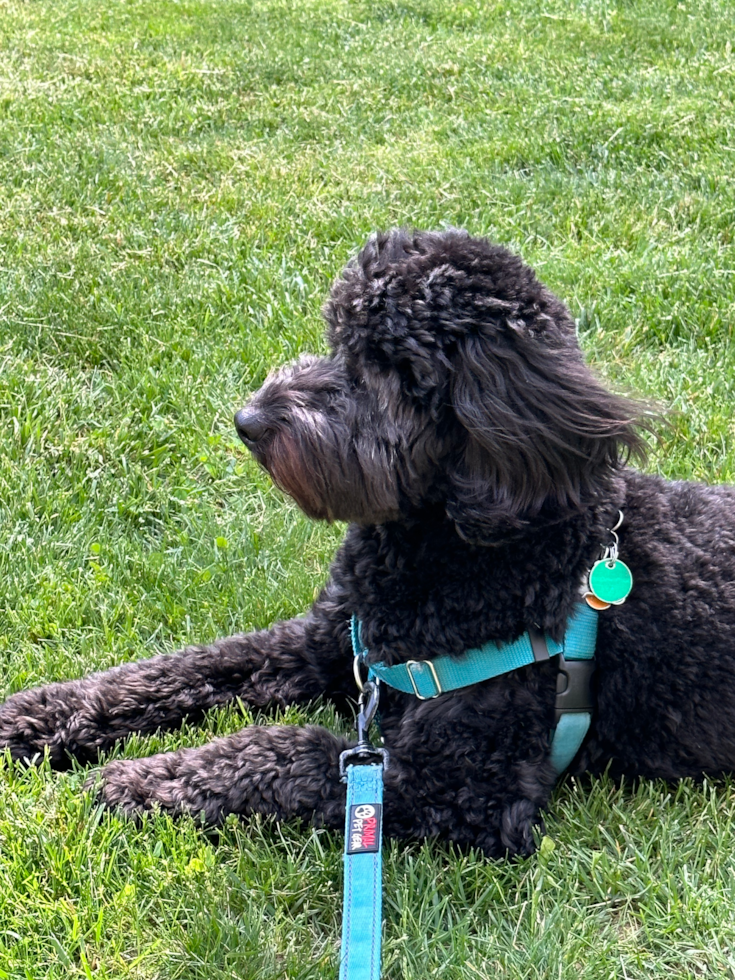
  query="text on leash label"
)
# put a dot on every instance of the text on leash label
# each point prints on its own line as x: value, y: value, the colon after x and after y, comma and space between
x: 364, y: 828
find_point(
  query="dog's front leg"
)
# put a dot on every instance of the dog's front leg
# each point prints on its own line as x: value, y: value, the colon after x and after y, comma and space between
x: 280, y: 771
x: 292, y: 772
x: 294, y: 662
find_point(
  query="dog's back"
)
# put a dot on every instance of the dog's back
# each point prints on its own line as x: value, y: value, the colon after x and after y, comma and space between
x: 666, y: 658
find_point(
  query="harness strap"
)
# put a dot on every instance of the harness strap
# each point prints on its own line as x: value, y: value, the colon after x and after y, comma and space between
x: 567, y: 739
x: 362, y: 902
x: 574, y: 697
x: 430, y: 678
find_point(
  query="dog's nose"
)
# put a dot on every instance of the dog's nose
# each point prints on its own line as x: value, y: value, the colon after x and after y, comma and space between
x: 250, y: 426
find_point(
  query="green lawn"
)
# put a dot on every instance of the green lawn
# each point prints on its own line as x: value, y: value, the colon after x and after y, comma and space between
x: 179, y: 182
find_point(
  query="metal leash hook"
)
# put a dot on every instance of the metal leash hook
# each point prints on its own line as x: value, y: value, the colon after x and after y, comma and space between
x: 366, y: 715
x: 364, y: 752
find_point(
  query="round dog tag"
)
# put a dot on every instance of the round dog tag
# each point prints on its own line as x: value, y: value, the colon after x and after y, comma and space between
x: 611, y: 580
x: 591, y: 599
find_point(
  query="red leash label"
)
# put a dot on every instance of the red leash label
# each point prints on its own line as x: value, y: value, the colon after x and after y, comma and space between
x: 364, y: 828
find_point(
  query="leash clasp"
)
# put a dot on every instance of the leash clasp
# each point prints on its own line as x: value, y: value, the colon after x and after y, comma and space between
x: 368, y: 705
x: 364, y: 753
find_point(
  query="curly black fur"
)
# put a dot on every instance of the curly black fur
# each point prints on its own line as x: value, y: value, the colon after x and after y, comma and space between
x: 480, y: 465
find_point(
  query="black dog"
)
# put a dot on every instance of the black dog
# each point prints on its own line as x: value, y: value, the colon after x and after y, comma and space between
x: 481, y: 467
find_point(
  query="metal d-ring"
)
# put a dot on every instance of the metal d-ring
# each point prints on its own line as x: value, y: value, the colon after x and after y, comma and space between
x: 356, y: 671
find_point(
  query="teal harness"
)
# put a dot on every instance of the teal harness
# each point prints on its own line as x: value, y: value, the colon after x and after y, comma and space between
x: 431, y: 678
x: 362, y: 767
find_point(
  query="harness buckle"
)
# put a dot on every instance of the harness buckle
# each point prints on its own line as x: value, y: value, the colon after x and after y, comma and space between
x: 432, y: 675
x: 574, y: 687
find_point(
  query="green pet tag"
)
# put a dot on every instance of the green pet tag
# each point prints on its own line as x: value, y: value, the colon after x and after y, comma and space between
x: 611, y: 581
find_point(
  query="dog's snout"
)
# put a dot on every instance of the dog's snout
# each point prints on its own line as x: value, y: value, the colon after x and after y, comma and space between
x: 250, y: 426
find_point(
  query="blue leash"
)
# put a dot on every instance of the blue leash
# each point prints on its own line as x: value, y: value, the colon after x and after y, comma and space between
x: 362, y: 769
x: 363, y: 868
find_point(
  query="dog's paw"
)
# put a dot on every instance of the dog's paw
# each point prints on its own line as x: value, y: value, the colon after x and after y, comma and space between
x: 125, y: 787
x: 20, y: 749
x: 518, y: 822
x: 110, y: 790
x: 24, y: 730
x: 137, y: 786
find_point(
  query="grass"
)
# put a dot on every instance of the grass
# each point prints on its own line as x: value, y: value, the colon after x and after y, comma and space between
x: 179, y: 181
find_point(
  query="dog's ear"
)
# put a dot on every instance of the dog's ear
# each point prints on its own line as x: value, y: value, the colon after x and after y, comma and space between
x: 541, y: 435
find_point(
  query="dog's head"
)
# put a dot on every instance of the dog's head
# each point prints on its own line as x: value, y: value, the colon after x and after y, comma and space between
x: 455, y: 379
